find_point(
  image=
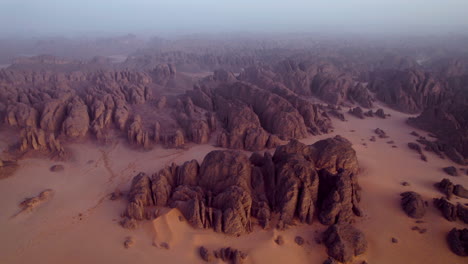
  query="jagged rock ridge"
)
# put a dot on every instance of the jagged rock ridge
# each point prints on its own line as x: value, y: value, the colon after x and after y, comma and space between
x: 298, y: 183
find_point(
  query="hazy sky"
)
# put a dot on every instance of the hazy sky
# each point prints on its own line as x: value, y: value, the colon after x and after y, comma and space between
x: 24, y: 17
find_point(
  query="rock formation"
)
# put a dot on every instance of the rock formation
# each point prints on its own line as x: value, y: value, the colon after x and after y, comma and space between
x: 415, y: 147
x: 64, y: 106
x: 57, y: 168
x: 357, y: 112
x: 7, y: 168
x: 451, y: 170
x: 406, y: 90
x: 30, y: 203
x: 380, y: 133
x: 458, y: 241
x: 413, y: 205
x: 450, y: 211
x: 344, y: 241
x: 299, y: 182
x: 205, y: 254
x: 448, y: 120
x: 249, y: 188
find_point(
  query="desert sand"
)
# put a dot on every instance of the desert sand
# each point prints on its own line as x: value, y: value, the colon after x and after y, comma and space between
x: 79, y: 224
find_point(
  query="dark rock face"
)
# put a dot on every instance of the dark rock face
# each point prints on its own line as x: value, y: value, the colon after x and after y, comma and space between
x: 336, y: 164
x: 357, y: 112
x: 36, y: 139
x: 415, y: 147
x: 230, y: 255
x: 335, y: 89
x: 227, y: 189
x: 413, y: 204
x: 344, y: 241
x: 320, y: 78
x: 452, y: 171
x: 443, y: 104
x: 380, y: 133
x: 7, y: 168
x: 408, y: 91
x: 460, y: 191
x: 205, y: 254
x: 360, y: 94
x: 139, y: 197
x: 330, y: 261
x: 369, y: 113
x: 380, y: 113
x: 446, y: 187
x: 255, y: 117
x: 462, y: 212
x: 299, y: 240
x: 271, y: 109
x: 449, y: 211
x: 450, y: 189
x: 57, y: 168
x: 458, y: 241
x: 448, y: 120
x: 279, y: 240
x: 243, y: 128
x: 337, y: 114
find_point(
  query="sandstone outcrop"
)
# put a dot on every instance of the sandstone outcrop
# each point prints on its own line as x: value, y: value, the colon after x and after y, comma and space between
x: 76, y: 123
x: 415, y: 147
x: 228, y: 188
x: 458, y: 241
x: 344, y: 242
x: 230, y: 255
x: 30, y: 203
x: 448, y: 121
x: 451, y: 170
x: 357, y: 112
x: 57, y: 168
x: 205, y: 254
x: 450, y: 211
x: 413, y: 205
x: 380, y: 113
x: 35, y: 139
x: 7, y: 168
x: 380, y: 133
x: 406, y: 90
x: 70, y: 105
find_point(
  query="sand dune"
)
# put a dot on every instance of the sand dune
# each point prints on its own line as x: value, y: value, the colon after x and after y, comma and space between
x: 80, y: 224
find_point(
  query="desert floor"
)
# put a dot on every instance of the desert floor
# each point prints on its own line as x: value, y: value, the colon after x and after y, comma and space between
x: 79, y: 224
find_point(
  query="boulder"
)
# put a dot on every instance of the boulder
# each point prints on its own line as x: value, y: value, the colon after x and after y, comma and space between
x: 458, y: 241
x: 413, y: 204
x: 205, y: 254
x: 380, y: 113
x: 139, y: 197
x: 415, y: 147
x: 357, y: 112
x: 344, y: 242
x: 451, y: 170
x: 448, y: 210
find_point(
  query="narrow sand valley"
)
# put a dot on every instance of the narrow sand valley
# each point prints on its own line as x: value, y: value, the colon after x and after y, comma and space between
x: 79, y: 224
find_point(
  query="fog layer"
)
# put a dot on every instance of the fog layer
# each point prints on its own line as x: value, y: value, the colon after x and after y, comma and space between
x: 34, y: 17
